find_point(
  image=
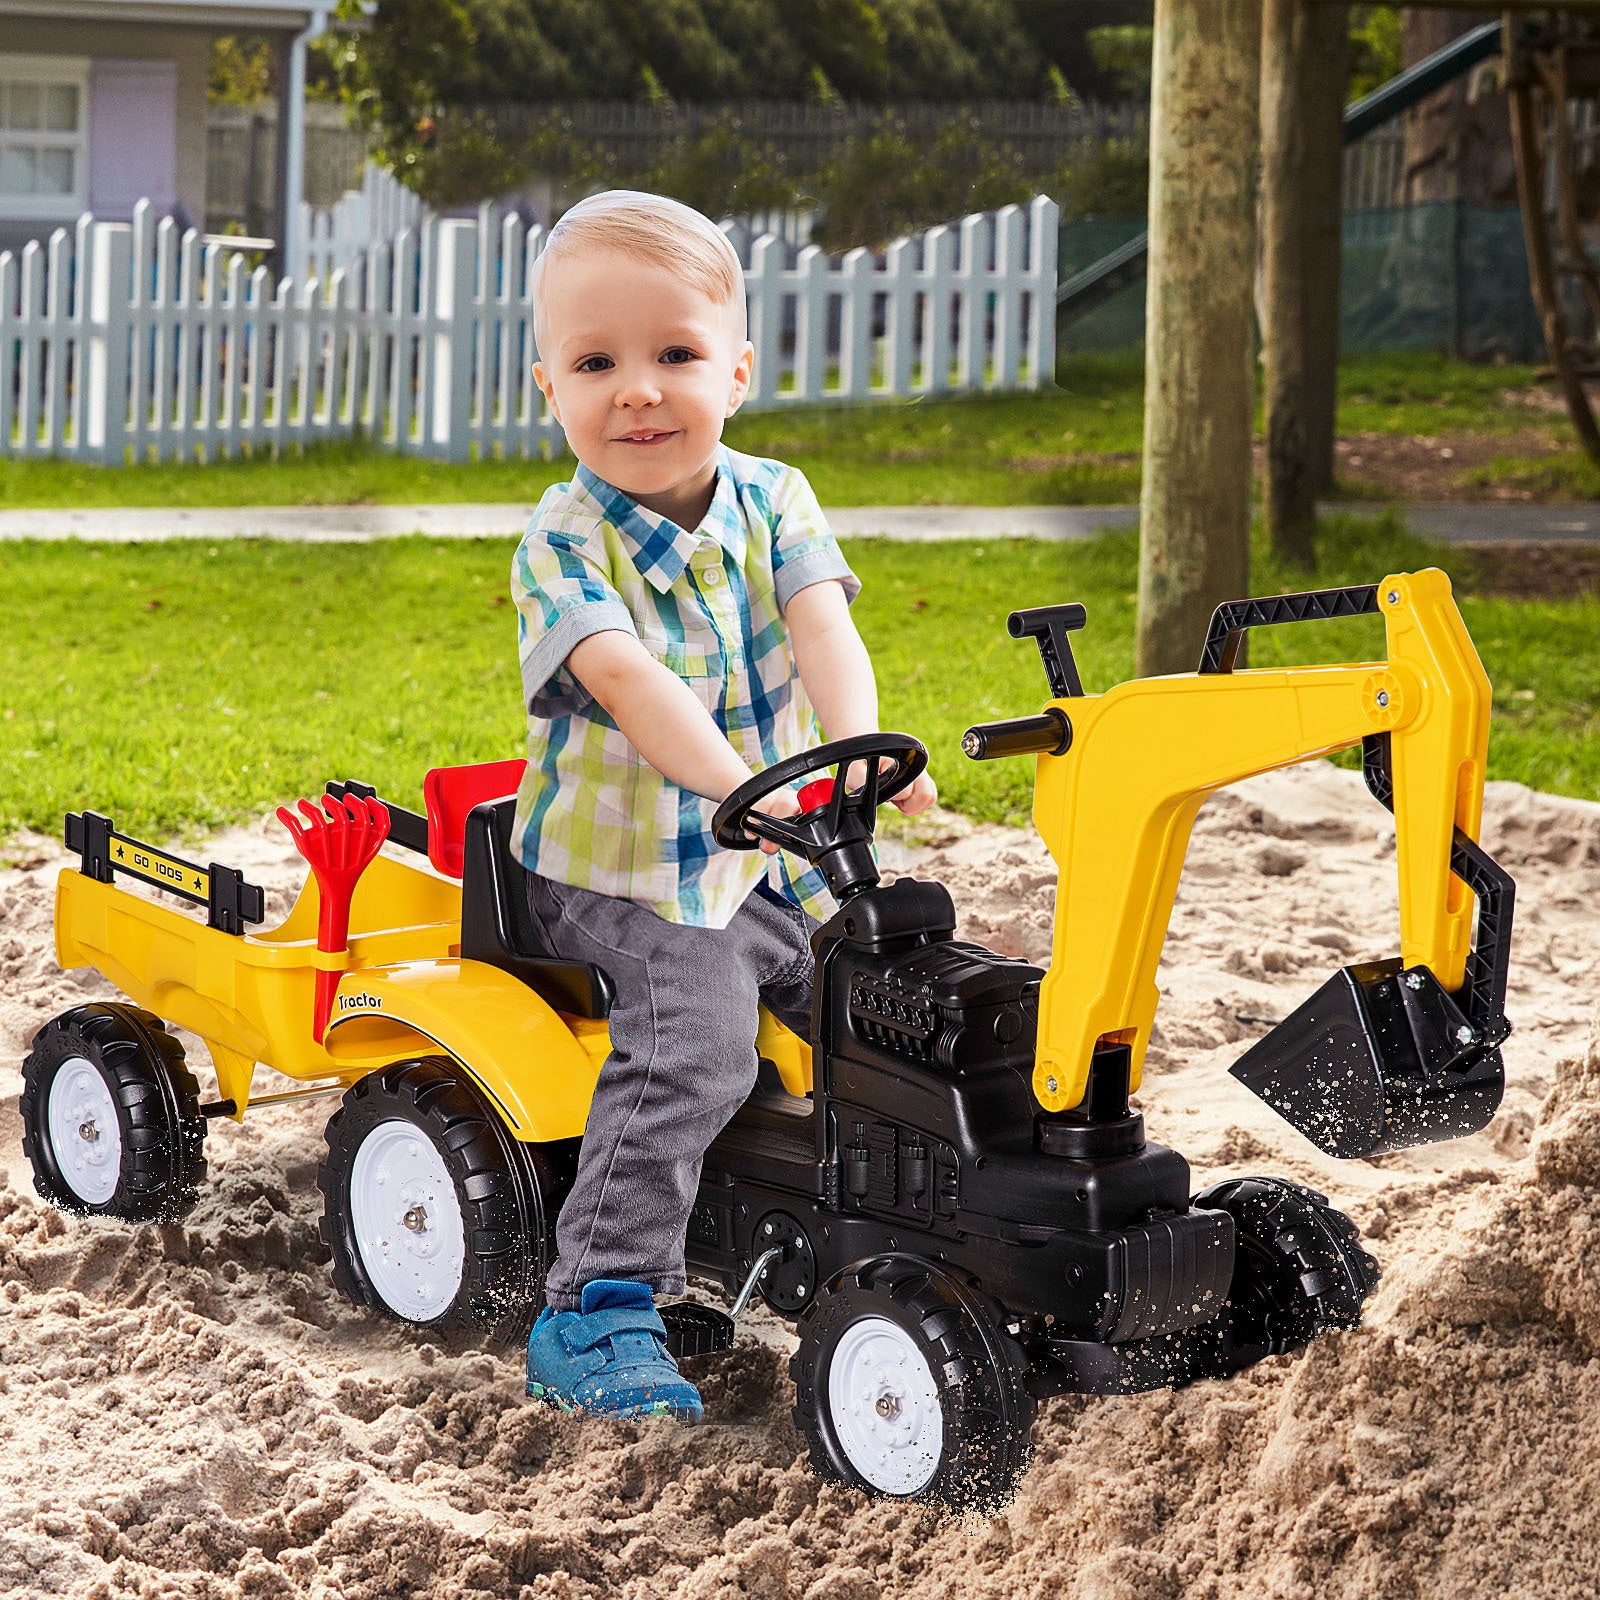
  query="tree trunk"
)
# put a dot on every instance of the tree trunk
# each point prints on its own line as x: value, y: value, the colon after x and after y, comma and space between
x: 1303, y: 71
x: 1329, y: 41
x: 1195, y: 505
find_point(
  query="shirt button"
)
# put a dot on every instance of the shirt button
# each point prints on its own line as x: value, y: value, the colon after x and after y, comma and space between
x: 712, y: 576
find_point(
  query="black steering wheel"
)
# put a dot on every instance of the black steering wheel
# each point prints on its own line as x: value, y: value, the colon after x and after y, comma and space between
x: 816, y: 832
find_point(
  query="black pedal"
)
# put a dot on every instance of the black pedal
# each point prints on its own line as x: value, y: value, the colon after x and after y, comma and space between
x: 696, y: 1330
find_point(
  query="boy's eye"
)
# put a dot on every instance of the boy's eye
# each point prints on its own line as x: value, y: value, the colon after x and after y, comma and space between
x: 678, y: 355
x: 594, y: 363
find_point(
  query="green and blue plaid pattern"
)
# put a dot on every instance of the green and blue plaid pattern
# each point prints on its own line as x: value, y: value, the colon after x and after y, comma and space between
x: 708, y: 603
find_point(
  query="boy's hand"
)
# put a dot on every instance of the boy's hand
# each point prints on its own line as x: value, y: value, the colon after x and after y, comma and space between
x: 914, y: 799
x: 781, y: 804
x: 918, y: 795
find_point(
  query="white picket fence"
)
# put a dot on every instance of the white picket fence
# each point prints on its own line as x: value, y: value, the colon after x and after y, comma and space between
x: 135, y: 341
x: 339, y: 235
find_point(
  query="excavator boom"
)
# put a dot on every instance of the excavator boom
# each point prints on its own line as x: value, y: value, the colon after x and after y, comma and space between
x: 1379, y: 1058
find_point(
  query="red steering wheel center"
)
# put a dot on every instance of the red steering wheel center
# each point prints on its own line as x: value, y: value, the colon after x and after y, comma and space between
x: 816, y: 793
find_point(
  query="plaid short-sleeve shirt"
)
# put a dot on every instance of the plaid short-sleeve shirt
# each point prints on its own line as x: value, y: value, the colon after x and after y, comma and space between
x: 709, y: 604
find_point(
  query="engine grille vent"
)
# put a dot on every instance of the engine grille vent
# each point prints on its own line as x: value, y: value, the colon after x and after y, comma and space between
x: 891, y: 1021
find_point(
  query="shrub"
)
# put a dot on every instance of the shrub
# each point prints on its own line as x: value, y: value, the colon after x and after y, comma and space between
x: 886, y: 185
x: 724, y: 171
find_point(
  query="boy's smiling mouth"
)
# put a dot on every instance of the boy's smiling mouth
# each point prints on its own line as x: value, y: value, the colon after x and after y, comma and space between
x: 643, y: 436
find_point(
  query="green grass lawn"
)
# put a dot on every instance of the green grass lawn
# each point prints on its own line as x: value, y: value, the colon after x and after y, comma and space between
x: 1570, y: 475
x: 1077, y: 444
x: 1419, y: 392
x: 185, y: 685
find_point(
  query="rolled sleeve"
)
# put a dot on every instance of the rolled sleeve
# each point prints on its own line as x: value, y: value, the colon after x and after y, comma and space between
x: 562, y: 595
x: 804, y: 550
x: 813, y: 566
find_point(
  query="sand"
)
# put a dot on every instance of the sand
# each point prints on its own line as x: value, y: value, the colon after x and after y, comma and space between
x: 192, y: 1411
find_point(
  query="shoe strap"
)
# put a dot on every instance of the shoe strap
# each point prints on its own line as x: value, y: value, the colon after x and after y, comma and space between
x: 590, y: 1329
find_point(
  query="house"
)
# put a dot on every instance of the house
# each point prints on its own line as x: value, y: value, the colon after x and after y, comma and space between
x: 103, y: 103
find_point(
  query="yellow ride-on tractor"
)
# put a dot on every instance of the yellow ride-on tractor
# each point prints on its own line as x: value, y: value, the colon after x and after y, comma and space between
x: 945, y: 1187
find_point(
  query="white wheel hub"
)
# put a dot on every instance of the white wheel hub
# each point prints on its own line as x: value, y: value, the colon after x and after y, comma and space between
x: 407, y: 1221
x: 884, y: 1406
x: 85, y: 1136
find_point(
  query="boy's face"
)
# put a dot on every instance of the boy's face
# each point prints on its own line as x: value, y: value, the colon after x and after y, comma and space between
x: 641, y: 369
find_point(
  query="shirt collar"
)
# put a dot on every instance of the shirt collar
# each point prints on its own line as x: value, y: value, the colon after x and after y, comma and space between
x: 660, y: 548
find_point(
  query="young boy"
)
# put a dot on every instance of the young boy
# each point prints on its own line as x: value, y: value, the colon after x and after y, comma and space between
x: 682, y: 611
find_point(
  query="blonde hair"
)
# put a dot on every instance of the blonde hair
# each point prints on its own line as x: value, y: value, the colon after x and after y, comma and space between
x: 652, y: 229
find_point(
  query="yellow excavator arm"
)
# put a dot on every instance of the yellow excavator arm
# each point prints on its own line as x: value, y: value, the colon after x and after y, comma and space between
x: 1116, y: 798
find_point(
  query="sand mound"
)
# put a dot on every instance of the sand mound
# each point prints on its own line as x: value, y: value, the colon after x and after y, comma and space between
x: 192, y: 1411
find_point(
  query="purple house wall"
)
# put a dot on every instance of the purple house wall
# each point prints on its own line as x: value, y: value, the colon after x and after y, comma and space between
x: 133, y: 136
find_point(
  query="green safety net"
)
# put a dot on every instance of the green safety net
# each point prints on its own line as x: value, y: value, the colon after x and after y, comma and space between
x: 1448, y: 276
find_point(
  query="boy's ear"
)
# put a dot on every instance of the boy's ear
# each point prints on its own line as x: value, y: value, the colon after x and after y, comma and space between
x: 541, y: 376
x: 743, y: 369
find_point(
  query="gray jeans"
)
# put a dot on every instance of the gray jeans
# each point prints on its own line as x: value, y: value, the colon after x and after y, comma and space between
x: 682, y: 1061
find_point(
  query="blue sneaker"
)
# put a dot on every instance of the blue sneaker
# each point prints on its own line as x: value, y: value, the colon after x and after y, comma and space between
x: 609, y: 1358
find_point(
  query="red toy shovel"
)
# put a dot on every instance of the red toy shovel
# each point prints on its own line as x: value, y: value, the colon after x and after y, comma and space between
x: 337, y: 842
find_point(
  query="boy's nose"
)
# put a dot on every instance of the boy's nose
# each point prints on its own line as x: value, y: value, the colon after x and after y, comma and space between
x: 637, y: 389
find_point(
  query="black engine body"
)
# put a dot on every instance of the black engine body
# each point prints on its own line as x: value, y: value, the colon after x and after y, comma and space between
x: 922, y: 1135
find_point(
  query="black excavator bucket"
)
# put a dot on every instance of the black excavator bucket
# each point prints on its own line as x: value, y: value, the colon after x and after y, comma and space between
x: 1378, y: 1059
x: 1381, y: 1058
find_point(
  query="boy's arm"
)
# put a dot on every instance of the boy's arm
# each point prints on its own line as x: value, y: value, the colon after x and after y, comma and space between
x: 833, y: 662
x: 661, y: 718
x: 837, y: 673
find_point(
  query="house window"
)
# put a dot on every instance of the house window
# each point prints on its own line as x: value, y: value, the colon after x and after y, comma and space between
x: 44, y: 137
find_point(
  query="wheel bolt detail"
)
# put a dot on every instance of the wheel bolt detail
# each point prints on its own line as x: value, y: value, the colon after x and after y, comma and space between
x: 884, y: 1401
x: 81, y: 1127
x: 407, y: 1223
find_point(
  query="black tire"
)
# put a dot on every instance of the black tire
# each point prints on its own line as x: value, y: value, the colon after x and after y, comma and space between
x: 502, y: 1189
x: 1299, y: 1270
x: 158, y: 1160
x: 985, y: 1410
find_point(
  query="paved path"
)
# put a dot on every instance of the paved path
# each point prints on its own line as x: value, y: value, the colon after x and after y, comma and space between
x: 1502, y: 523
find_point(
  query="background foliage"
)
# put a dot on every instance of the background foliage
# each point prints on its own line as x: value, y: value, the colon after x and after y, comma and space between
x: 432, y: 80
x: 1375, y: 48
x: 471, y: 99
x: 421, y: 55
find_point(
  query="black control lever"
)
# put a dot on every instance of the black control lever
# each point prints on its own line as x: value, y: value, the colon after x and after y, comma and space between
x: 1050, y: 625
x: 1048, y: 734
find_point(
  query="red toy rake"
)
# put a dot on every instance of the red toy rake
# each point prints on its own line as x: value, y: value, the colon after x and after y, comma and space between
x: 337, y: 842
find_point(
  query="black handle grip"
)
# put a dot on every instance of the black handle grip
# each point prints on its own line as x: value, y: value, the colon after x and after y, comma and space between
x: 1047, y: 734
x: 1049, y: 626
